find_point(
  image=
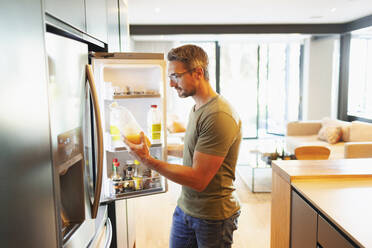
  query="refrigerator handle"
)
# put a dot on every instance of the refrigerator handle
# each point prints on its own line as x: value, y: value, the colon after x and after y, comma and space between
x: 109, y: 233
x: 97, y: 191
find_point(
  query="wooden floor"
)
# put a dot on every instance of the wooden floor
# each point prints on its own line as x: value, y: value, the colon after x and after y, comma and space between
x: 154, y: 215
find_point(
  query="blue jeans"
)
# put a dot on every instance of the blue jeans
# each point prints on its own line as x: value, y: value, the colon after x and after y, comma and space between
x: 191, y: 232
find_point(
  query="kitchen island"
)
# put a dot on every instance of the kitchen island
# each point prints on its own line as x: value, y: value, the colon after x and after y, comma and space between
x: 326, y: 202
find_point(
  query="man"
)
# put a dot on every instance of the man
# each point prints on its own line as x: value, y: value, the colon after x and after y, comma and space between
x: 207, y: 210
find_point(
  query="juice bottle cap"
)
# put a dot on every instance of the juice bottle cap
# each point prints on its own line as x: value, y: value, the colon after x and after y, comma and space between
x: 154, y: 106
x: 136, y: 162
x: 115, y: 160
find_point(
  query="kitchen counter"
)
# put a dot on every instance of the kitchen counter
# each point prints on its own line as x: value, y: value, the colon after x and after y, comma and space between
x: 345, y: 202
x: 340, y: 189
x: 290, y: 170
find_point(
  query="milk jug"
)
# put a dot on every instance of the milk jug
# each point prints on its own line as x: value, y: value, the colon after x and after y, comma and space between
x: 154, y: 124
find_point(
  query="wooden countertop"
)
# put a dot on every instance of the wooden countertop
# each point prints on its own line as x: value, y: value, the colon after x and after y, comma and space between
x: 343, y: 168
x: 340, y: 189
x: 345, y: 202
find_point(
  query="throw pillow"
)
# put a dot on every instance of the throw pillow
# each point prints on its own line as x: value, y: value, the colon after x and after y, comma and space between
x: 331, y: 134
x: 345, y: 127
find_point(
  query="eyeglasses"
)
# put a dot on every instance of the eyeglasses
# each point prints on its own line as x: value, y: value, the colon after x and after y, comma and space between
x: 177, y: 76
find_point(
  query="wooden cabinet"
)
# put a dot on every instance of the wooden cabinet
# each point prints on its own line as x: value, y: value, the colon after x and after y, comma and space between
x: 96, y: 19
x: 311, y: 230
x: 329, y: 237
x: 303, y: 223
x: 71, y: 12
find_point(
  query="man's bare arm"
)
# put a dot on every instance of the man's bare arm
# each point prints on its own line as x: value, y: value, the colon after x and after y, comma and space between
x: 197, y: 177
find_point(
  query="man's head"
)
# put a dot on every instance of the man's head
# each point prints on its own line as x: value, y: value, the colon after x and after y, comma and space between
x: 188, y: 65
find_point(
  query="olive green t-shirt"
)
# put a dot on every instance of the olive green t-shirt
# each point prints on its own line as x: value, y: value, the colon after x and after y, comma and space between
x: 214, y: 129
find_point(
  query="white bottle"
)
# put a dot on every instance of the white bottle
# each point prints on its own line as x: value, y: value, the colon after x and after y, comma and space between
x: 154, y: 124
x: 114, y: 126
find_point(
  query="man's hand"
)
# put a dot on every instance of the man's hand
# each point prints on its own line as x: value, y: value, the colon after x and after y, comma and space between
x: 140, y: 151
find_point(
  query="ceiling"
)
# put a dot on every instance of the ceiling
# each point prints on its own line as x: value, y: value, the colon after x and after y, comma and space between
x: 163, y: 12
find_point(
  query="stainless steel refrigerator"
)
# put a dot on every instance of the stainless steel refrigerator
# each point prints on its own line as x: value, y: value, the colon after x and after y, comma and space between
x: 81, y: 139
x: 80, y: 218
x: 49, y: 139
x: 27, y: 212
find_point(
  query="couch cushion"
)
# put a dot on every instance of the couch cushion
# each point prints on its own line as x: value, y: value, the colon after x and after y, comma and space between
x: 294, y: 141
x: 360, y: 131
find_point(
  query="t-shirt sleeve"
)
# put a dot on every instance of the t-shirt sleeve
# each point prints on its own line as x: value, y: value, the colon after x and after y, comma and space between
x: 216, y: 134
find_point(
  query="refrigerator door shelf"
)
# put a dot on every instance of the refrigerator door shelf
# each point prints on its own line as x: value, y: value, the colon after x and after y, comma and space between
x: 138, y: 193
x: 124, y: 149
x: 118, y: 97
x: 109, y: 99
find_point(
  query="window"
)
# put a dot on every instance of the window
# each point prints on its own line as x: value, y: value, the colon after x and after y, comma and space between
x: 282, y: 84
x: 360, y: 78
x: 262, y: 80
x: 238, y: 82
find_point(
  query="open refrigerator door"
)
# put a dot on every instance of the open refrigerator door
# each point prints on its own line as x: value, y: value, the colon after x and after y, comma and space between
x: 130, y: 84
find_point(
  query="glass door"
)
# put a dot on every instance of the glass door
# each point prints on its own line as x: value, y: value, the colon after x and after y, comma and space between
x: 239, y: 82
x: 262, y: 81
x: 281, y: 84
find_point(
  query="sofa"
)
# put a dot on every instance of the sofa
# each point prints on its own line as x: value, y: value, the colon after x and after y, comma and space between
x: 353, y: 139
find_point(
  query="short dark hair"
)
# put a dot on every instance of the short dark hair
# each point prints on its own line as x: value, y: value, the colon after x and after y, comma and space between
x: 192, y: 56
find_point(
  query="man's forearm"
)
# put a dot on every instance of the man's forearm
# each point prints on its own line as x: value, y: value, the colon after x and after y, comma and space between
x: 177, y: 173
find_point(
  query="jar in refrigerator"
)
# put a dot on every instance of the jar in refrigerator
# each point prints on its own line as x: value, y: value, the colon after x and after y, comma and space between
x: 141, y: 170
x: 128, y: 179
x: 138, y: 182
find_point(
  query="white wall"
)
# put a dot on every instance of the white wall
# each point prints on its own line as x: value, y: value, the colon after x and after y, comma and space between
x: 176, y: 106
x: 321, y: 65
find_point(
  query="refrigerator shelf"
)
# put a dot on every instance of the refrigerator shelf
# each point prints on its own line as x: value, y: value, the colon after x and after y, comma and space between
x: 124, y: 149
x: 63, y: 168
x: 118, y: 97
x: 134, y: 194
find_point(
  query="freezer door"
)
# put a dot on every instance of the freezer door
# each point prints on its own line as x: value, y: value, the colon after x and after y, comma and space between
x: 103, y: 233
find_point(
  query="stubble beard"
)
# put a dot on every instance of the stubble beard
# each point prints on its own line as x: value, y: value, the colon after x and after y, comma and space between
x: 183, y: 94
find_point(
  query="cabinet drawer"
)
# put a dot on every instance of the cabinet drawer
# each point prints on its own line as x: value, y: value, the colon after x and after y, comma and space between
x: 329, y: 237
x: 303, y: 223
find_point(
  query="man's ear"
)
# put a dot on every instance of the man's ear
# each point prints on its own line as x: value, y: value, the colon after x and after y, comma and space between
x: 199, y: 72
